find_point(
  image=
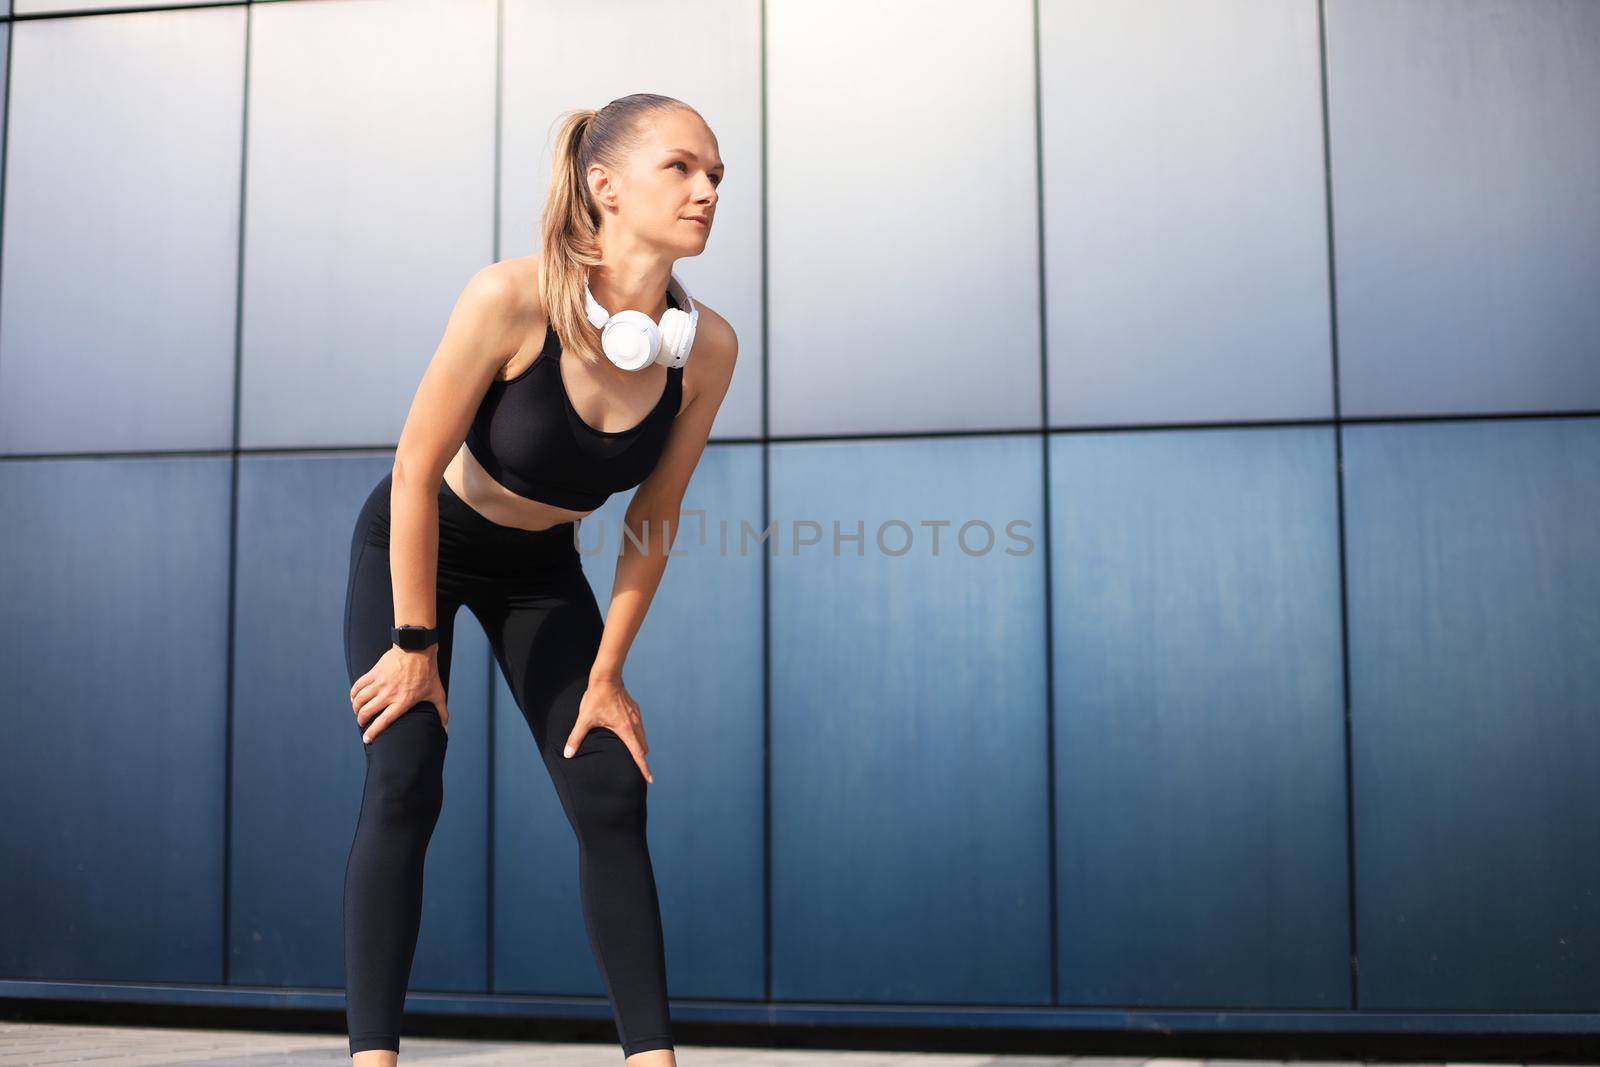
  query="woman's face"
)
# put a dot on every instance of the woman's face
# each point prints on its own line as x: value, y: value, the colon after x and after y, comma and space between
x: 671, y: 177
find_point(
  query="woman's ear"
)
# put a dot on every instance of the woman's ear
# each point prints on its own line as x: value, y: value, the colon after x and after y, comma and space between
x: 601, y: 188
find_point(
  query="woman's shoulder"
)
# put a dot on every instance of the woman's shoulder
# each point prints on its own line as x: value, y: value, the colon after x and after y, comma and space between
x: 712, y: 357
x: 507, y: 292
x: 714, y: 336
x: 513, y: 288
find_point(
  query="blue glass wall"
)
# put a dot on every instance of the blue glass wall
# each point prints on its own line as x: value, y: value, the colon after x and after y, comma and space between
x: 1146, y: 559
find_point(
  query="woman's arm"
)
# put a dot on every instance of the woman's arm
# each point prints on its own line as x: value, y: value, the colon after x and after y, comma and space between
x: 470, y: 353
x: 474, y: 347
x: 656, y: 503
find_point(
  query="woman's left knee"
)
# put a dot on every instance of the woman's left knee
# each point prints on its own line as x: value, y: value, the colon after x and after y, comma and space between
x: 609, y: 788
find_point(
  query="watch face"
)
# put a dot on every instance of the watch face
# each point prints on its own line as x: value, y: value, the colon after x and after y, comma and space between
x: 411, y: 639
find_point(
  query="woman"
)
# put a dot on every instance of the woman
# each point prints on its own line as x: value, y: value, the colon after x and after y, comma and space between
x: 520, y: 427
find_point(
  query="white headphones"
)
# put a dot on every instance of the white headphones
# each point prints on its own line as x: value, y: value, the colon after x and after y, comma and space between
x: 632, y: 341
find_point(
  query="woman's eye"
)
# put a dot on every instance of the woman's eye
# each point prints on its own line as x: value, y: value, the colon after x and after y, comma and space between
x: 716, y: 179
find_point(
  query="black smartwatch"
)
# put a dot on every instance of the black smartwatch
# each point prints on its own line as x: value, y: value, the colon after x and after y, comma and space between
x: 413, y: 638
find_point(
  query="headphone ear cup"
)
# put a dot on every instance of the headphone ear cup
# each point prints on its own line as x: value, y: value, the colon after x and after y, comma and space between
x: 677, y: 336
x: 630, y: 340
x: 689, y: 330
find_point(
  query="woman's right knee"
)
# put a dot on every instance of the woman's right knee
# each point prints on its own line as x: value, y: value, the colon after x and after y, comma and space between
x: 405, y: 766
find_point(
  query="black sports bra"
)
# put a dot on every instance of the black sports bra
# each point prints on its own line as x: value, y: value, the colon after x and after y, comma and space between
x: 527, y: 435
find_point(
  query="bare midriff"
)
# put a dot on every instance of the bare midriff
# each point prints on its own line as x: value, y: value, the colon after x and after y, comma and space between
x: 469, y: 481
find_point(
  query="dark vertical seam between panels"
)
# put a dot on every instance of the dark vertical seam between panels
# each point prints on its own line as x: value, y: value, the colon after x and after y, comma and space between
x: 489, y: 664
x: 1044, y: 451
x: 1338, y: 482
x: 233, y: 511
x: 766, y: 562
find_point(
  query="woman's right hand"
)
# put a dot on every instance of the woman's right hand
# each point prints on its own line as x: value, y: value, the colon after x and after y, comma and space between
x: 394, y: 685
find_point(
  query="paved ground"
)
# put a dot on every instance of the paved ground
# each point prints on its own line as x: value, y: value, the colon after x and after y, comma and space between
x: 126, y: 1046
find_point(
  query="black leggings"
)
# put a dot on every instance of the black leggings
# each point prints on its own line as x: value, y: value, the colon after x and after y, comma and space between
x: 529, y: 591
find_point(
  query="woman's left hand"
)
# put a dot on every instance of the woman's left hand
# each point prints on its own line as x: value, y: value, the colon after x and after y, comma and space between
x: 606, y: 703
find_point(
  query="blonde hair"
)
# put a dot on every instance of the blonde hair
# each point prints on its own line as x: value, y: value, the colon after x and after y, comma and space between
x: 570, y: 222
